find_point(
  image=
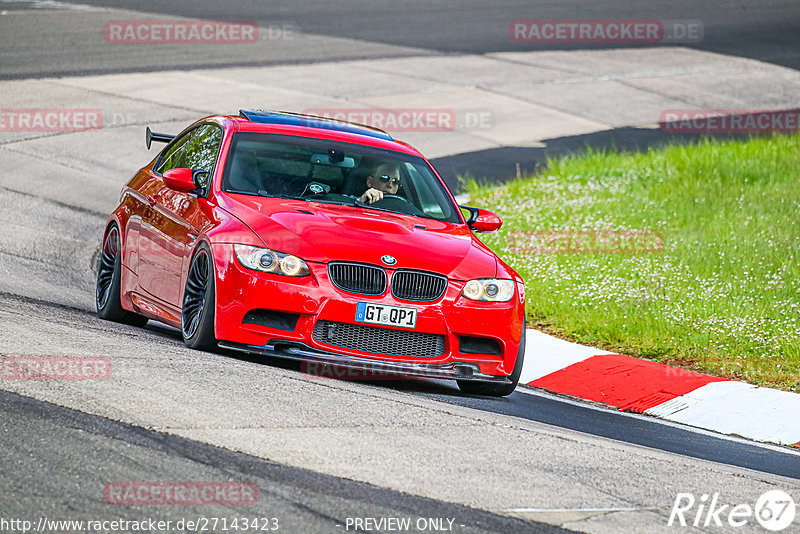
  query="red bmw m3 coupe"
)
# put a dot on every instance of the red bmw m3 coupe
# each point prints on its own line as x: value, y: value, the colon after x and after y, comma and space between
x: 317, y: 240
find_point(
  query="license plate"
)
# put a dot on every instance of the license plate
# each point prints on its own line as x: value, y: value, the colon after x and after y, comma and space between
x: 367, y: 312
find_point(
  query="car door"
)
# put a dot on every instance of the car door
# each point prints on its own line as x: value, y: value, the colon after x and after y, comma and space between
x: 151, y: 220
x: 174, y: 220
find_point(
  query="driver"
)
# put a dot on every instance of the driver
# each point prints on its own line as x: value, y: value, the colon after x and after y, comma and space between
x: 385, y: 178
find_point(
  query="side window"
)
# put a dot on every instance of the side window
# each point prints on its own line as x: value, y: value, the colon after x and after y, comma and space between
x: 170, y: 158
x: 200, y: 152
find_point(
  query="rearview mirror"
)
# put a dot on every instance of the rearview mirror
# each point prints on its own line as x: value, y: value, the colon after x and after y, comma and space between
x: 334, y: 159
x: 183, y: 180
x: 481, y: 220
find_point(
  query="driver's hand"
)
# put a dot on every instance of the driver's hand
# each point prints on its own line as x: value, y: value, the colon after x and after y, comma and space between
x: 371, y: 195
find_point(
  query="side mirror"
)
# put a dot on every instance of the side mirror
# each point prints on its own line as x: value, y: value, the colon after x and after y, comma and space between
x: 184, y: 180
x: 481, y: 220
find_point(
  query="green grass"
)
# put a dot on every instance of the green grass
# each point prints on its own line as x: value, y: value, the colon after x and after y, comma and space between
x: 723, y: 294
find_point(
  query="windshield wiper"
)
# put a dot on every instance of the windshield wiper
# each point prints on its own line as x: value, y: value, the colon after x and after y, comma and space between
x: 324, y: 201
x: 362, y: 204
x: 263, y: 193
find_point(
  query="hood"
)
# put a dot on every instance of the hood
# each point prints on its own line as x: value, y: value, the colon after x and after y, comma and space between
x: 321, y: 232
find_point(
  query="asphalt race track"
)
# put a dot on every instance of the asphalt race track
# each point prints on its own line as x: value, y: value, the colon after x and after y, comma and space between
x: 322, y: 452
x: 302, y: 501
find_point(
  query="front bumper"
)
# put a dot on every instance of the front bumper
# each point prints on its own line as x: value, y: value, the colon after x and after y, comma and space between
x: 315, y: 298
x: 368, y: 368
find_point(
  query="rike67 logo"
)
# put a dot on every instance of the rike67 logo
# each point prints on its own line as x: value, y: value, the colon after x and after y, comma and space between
x: 774, y: 510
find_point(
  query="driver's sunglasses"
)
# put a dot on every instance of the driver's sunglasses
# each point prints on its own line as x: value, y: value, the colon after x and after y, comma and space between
x: 385, y: 179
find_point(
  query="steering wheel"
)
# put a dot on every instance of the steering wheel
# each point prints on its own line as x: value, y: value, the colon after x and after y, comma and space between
x: 389, y: 196
x: 403, y: 207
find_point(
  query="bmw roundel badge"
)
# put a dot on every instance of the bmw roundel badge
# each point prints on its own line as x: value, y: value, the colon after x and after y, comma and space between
x: 388, y: 260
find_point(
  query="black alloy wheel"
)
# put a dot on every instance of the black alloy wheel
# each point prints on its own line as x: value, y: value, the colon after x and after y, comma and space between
x: 197, y: 317
x: 107, y: 294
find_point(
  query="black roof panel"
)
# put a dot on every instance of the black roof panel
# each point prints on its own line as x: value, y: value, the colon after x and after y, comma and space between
x: 312, y: 121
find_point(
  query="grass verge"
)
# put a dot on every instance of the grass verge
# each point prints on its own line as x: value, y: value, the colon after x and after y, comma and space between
x: 687, y: 255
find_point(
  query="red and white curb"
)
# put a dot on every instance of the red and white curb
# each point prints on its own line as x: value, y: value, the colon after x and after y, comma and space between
x: 641, y: 386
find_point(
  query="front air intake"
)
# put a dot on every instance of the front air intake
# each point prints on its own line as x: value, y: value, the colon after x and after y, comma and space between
x: 272, y: 319
x: 379, y: 340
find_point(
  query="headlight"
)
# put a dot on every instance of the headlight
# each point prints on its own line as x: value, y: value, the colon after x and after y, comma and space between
x: 489, y: 289
x: 270, y: 261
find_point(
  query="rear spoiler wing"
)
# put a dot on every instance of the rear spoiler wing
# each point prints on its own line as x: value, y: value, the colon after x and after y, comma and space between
x: 151, y: 136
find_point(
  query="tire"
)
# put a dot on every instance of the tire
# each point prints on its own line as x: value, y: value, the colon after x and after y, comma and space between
x: 107, y: 290
x: 472, y: 387
x: 197, y: 312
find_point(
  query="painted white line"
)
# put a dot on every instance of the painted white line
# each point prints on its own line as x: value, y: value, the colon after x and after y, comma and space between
x: 565, y: 510
x: 703, y: 432
x: 739, y: 408
x: 54, y: 5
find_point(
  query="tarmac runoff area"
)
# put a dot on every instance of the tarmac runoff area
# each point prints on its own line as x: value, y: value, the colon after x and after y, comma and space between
x: 515, y: 103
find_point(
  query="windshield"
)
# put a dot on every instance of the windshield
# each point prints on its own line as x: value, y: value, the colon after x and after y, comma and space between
x: 327, y: 171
